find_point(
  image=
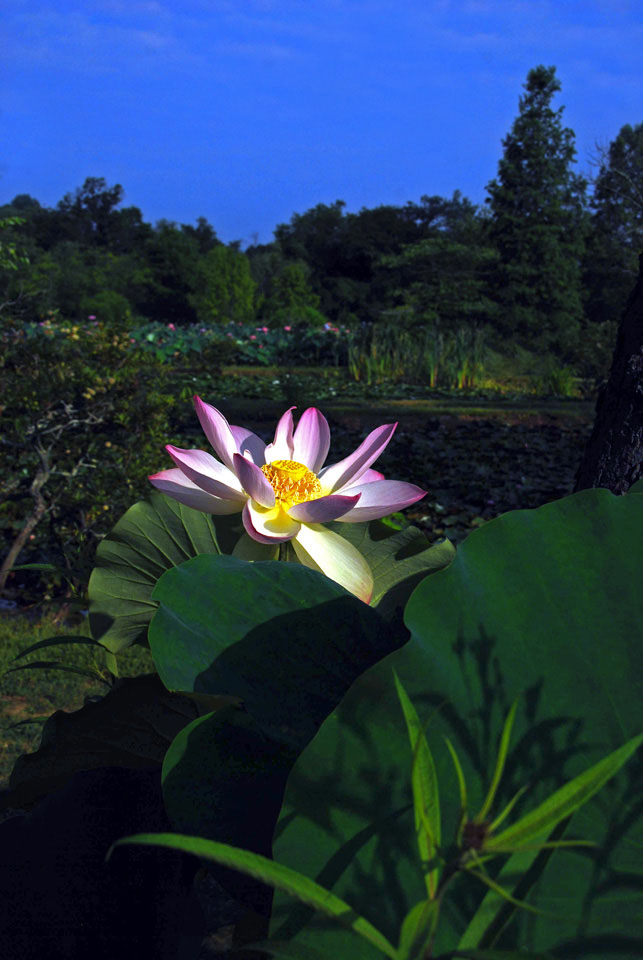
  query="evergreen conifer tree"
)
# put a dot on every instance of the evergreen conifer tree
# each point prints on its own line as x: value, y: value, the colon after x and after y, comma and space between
x: 538, y: 223
x: 616, y: 237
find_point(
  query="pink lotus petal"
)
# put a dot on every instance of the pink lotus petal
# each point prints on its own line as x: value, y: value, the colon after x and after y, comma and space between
x: 282, y: 446
x: 323, y: 509
x: 254, y: 482
x: 312, y: 439
x: 339, y: 475
x: 207, y: 473
x: 381, y: 497
x: 217, y: 430
x: 266, y: 529
x: 249, y: 443
x: 174, y: 483
x: 369, y: 476
x: 324, y: 550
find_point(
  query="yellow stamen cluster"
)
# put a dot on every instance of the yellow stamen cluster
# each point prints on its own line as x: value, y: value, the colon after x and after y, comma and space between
x: 292, y: 482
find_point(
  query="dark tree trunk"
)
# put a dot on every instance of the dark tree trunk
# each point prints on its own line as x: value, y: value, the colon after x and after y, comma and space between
x: 613, y: 456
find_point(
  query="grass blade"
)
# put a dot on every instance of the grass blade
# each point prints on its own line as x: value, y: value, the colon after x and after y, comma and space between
x: 54, y: 665
x: 53, y: 641
x: 276, y: 874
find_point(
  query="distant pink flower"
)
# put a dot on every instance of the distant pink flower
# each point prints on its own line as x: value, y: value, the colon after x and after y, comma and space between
x: 253, y: 336
x: 171, y: 326
x: 264, y: 329
x: 91, y: 316
x: 285, y: 493
x: 288, y: 327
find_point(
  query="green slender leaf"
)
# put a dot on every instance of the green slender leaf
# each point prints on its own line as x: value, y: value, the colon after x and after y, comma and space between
x: 507, y: 810
x: 500, y: 763
x: 426, y: 800
x: 45, y: 567
x: 521, y: 870
x: 564, y: 801
x: 497, y: 888
x: 54, y: 665
x: 418, y: 930
x: 462, y: 787
x: 268, y: 871
x: 54, y: 641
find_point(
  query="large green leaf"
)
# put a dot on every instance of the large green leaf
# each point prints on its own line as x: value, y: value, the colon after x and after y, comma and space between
x: 153, y: 536
x: 287, y: 641
x: 399, y: 559
x: 541, y: 605
x: 131, y: 726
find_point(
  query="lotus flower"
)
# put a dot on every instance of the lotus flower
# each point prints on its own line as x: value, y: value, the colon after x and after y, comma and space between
x: 285, y: 493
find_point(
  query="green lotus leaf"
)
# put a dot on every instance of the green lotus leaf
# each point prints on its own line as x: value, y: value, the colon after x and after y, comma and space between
x: 153, y: 536
x: 544, y: 606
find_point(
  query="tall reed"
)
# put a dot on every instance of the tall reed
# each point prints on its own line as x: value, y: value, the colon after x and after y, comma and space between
x: 381, y: 353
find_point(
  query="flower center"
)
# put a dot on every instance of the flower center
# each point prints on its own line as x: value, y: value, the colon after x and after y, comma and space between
x: 292, y: 482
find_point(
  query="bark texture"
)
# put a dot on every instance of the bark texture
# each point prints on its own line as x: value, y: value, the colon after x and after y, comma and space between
x: 613, y: 456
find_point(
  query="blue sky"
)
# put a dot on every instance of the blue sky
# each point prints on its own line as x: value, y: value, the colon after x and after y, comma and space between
x: 246, y: 111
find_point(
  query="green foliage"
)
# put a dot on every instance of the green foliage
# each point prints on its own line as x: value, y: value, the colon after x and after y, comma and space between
x: 424, y: 355
x: 419, y: 926
x: 224, y: 288
x: 443, y: 277
x: 542, y: 605
x: 83, y: 422
x: 29, y: 697
x: 538, y: 223
x: 10, y: 256
x: 616, y: 227
x: 289, y: 298
x: 151, y: 537
x: 131, y: 725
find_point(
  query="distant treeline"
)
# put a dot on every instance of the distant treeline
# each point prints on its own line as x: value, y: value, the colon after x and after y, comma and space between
x: 546, y: 263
